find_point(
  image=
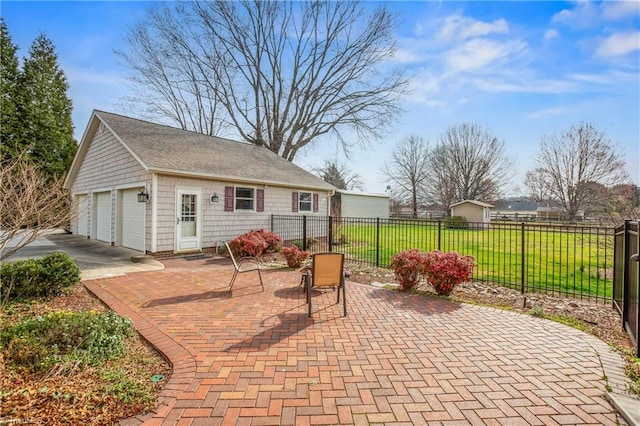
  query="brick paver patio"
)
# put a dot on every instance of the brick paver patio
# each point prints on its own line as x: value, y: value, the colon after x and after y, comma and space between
x: 254, y: 357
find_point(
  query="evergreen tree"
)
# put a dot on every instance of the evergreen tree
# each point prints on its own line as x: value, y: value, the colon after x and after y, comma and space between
x: 45, y: 110
x: 9, y: 72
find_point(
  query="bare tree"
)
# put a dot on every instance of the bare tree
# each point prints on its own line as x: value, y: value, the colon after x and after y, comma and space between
x: 468, y: 164
x: 285, y: 73
x: 31, y: 203
x: 535, y: 185
x: 573, y: 161
x: 408, y: 169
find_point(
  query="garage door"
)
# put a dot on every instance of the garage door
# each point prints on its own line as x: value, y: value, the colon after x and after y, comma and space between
x: 82, y: 215
x: 103, y: 216
x: 132, y: 220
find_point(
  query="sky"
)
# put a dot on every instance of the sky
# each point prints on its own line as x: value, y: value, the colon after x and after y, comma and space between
x: 523, y: 70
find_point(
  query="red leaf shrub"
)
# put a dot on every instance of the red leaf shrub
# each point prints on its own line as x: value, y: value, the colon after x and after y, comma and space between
x: 294, y: 256
x: 445, y: 271
x: 256, y: 243
x: 407, y: 266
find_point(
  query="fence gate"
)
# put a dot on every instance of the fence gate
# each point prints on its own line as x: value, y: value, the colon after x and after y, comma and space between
x: 626, y: 279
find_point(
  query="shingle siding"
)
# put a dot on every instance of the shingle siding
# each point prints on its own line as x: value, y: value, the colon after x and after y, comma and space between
x: 107, y: 165
x: 220, y: 225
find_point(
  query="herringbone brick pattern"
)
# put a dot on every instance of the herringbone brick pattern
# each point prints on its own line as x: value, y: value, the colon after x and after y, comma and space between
x: 254, y: 358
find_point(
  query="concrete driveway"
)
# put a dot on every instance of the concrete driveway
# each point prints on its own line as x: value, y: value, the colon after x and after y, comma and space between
x: 95, y: 259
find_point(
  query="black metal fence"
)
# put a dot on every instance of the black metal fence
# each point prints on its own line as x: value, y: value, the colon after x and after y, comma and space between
x: 626, y: 279
x: 566, y: 260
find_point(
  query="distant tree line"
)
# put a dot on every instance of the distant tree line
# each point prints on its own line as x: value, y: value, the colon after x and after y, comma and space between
x: 577, y: 169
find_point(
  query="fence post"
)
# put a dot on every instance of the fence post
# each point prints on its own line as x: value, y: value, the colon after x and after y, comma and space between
x: 625, y: 274
x: 439, y: 228
x: 330, y: 233
x: 272, y: 223
x: 377, y: 242
x: 522, y: 259
x: 304, y: 232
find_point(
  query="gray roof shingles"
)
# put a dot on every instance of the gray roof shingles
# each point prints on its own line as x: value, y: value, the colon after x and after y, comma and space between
x: 167, y: 149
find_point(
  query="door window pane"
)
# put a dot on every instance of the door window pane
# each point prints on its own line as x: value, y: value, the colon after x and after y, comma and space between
x: 189, y: 214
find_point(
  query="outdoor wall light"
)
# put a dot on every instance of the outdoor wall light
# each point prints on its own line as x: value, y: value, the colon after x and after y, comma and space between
x: 143, y: 195
x: 214, y: 198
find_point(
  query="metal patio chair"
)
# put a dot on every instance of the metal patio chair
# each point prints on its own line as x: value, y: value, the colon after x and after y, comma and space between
x: 242, y: 265
x: 327, y: 270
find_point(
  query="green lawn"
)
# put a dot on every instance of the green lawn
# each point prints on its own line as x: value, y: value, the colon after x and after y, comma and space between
x: 566, y: 260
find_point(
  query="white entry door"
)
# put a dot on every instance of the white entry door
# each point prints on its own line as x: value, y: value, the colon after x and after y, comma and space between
x: 188, y: 207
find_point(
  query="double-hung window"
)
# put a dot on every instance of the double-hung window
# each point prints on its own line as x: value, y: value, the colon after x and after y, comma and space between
x: 305, y: 202
x: 244, y: 199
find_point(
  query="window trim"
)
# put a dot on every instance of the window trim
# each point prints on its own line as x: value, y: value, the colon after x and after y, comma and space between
x: 254, y: 199
x: 309, y: 202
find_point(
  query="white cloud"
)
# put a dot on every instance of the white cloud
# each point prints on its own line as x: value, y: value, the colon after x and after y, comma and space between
x: 587, y: 14
x: 619, y: 44
x: 405, y: 56
x: 550, y: 34
x: 549, y: 112
x: 477, y: 54
x: 504, y: 84
x: 613, y: 10
x: 457, y: 27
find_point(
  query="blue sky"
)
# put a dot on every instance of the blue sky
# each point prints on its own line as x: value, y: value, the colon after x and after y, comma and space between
x: 521, y: 69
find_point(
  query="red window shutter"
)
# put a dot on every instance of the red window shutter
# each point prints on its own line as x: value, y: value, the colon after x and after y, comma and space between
x: 260, y: 206
x: 315, y: 203
x: 294, y: 201
x: 228, y: 198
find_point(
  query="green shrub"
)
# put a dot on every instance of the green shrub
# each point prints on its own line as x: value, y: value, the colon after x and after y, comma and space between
x: 47, y: 276
x: 89, y: 337
x: 456, y: 222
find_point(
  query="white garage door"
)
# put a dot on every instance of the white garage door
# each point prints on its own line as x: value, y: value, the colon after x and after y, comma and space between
x: 132, y: 220
x: 82, y: 218
x: 103, y: 216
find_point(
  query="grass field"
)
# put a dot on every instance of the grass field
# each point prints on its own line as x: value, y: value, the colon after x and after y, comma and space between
x: 565, y: 260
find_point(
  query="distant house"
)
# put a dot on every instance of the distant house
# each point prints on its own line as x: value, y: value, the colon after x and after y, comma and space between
x: 515, y: 209
x: 524, y: 210
x: 363, y: 205
x: 157, y: 189
x: 473, y: 211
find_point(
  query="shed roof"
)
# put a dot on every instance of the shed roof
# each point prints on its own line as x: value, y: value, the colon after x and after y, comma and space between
x: 164, y: 149
x: 477, y: 203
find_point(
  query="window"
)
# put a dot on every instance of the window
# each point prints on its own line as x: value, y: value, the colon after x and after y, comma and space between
x: 304, y: 199
x: 244, y: 198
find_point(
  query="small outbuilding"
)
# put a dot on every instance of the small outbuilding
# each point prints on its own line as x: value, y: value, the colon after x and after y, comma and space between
x: 472, y: 210
x: 362, y: 205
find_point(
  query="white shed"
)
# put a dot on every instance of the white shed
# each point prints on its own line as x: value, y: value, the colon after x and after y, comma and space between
x: 362, y: 205
x: 474, y: 211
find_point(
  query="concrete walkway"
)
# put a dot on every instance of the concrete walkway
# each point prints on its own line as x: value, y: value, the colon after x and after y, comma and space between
x: 254, y: 358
